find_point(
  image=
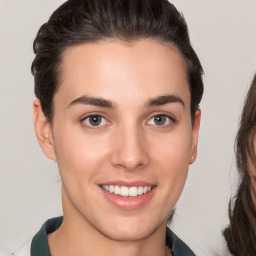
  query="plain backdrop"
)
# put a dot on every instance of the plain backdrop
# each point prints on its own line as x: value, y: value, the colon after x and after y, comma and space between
x: 223, y: 33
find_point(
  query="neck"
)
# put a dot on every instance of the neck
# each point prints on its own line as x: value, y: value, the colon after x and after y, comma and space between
x: 72, y: 239
x: 78, y: 237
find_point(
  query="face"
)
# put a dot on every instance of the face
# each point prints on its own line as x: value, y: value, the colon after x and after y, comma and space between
x: 121, y: 135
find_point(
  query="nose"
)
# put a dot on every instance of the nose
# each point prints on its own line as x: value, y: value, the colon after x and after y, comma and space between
x: 130, y: 150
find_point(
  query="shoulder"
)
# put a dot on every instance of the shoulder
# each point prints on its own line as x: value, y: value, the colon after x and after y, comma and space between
x: 24, y: 250
x: 192, y: 236
x: 201, y: 244
x: 4, y: 251
x: 223, y: 249
x: 177, y: 246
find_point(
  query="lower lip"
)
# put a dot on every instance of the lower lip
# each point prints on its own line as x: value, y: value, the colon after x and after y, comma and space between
x: 129, y: 203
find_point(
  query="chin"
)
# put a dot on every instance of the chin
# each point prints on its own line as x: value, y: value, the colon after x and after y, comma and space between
x: 127, y: 235
x: 130, y: 231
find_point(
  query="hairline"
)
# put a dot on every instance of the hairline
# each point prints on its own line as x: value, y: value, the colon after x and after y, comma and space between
x: 129, y: 42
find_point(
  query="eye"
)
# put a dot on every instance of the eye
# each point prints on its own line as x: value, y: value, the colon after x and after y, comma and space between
x: 160, y: 120
x: 94, y: 120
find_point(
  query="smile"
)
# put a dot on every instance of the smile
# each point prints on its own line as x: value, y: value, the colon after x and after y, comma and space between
x: 125, y: 191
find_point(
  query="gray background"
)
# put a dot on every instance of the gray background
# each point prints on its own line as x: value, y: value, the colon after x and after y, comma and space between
x: 224, y: 35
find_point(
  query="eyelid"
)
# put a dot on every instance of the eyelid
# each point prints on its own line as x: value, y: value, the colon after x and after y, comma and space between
x: 88, y: 115
x: 172, y: 119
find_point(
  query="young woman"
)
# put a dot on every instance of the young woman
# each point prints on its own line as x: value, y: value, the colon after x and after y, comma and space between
x: 241, y: 233
x: 118, y: 88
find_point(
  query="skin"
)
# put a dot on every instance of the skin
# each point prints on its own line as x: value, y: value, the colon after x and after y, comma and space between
x: 128, y: 145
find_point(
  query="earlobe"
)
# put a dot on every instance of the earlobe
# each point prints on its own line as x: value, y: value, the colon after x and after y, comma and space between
x: 43, y: 130
x: 195, y: 133
x: 193, y: 155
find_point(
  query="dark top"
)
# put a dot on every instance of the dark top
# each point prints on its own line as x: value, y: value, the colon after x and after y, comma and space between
x: 39, y: 245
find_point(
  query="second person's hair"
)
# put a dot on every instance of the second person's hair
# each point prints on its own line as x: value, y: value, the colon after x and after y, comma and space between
x: 241, y: 233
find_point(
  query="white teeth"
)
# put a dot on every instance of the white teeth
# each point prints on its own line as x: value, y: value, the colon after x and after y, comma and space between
x: 133, y: 191
x: 111, y: 189
x: 124, y: 191
x: 140, y: 191
x: 117, y: 190
x: 127, y: 191
x: 105, y: 187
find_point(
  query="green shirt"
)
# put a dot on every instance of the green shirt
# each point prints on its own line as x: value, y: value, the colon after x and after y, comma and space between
x: 39, y: 245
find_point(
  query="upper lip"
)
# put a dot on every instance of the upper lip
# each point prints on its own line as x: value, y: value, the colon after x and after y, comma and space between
x: 128, y: 183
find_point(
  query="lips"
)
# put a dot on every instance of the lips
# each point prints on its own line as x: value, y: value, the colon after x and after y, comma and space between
x: 128, y: 196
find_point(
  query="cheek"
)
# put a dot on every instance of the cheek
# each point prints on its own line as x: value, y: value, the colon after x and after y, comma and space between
x: 172, y: 158
x: 175, y: 162
x: 79, y: 154
x: 174, y: 148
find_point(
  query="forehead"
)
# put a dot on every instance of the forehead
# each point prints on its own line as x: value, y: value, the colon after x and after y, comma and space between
x: 145, y: 67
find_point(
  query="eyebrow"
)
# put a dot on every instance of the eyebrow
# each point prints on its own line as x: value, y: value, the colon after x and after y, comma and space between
x: 165, y: 99
x: 99, y: 102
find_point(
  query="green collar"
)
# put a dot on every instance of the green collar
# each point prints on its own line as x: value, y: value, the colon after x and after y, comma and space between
x: 39, y: 245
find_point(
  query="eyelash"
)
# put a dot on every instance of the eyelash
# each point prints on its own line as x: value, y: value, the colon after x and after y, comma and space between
x: 167, y: 118
x: 83, y: 120
x: 90, y: 125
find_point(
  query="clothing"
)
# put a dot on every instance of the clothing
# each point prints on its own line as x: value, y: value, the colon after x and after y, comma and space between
x: 39, y: 245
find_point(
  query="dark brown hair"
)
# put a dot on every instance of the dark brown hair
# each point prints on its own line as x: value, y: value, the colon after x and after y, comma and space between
x: 241, y: 233
x: 81, y: 21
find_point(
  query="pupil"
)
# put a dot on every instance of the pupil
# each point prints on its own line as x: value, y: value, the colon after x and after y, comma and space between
x: 160, y: 120
x: 95, y: 120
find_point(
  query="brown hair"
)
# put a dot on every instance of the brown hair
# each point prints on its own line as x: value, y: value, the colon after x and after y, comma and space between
x: 81, y: 21
x: 241, y: 233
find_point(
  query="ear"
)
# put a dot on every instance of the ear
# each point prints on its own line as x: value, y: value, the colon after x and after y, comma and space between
x: 43, y: 131
x: 195, y: 133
